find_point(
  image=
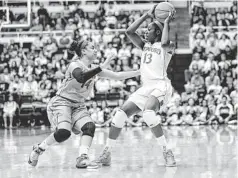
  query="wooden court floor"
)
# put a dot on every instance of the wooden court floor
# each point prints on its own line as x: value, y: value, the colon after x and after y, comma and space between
x: 201, y: 152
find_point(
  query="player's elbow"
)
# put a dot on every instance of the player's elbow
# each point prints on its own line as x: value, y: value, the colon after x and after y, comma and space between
x: 165, y: 44
x: 129, y: 32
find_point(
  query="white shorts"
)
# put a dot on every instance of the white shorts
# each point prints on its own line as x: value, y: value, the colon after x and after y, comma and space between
x: 161, y: 89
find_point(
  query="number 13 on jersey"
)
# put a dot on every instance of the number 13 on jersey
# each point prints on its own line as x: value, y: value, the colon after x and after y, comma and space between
x: 147, y: 58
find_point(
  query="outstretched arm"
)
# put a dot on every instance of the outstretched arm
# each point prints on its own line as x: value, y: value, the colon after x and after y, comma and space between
x: 82, y: 76
x: 118, y: 75
x: 131, y: 31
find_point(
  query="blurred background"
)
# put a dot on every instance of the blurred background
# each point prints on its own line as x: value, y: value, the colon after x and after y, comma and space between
x: 35, y: 35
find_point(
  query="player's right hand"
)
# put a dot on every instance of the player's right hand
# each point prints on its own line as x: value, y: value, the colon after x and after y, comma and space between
x: 170, y: 17
x: 107, y: 62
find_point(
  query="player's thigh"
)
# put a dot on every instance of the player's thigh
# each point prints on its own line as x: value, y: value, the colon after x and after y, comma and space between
x: 136, y: 101
x: 158, y: 97
x: 60, y: 117
x: 130, y: 108
x: 80, y: 117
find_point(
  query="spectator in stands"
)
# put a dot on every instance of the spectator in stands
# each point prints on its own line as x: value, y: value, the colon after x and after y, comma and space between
x: 30, y: 86
x: 233, y: 12
x: 70, y: 25
x: 189, y: 93
x: 123, y: 18
x: 50, y: 48
x: 212, y: 79
x: 36, y: 25
x: 40, y: 59
x: 234, y: 96
x: 59, y: 24
x: 228, y: 81
x: 124, y: 52
x: 198, y: 25
x: 111, y: 8
x: 42, y: 93
x: 16, y: 85
x: 210, y: 63
x: 196, y: 61
x: 5, y: 76
x: 229, y: 53
x: 221, y: 20
x: 116, y: 41
x: 102, y: 85
x: 212, y: 44
x: 173, y: 113
x: 224, y: 41
x: 65, y: 41
x: 9, y: 110
x: 224, y: 64
x: 202, y: 113
x: 110, y: 50
x: 44, y: 80
x: 234, y: 44
x: 94, y: 110
x: 216, y: 88
x: 43, y: 15
x: 197, y: 80
x: 188, y: 112
x: 224, y: 111
x: 111, y: 20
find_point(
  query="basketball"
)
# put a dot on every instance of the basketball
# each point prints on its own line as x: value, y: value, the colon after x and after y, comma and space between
x: 162, y: 11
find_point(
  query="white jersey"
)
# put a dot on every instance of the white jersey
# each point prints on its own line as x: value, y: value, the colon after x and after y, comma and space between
x: 154, y: 62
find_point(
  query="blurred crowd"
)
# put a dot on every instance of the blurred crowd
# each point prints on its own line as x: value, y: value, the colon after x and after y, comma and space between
x: 211, y: 89
x: 107, y: 16
x: 210, y: 17
x: 211, y: 92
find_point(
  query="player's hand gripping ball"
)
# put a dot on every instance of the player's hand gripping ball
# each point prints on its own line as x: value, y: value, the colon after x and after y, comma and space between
x: 163, y: 10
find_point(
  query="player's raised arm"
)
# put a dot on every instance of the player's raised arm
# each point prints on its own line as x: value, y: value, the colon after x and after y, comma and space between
x: 165, y: 34
x: 131, y: 30
x: 118, y: 75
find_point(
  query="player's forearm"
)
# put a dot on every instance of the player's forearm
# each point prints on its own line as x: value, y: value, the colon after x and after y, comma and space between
x: 165, y: 35
x: 82, y: 77
x: 126, y: 75
x: 135, y: 25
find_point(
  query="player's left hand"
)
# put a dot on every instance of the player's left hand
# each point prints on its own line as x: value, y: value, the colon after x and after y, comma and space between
x: 170, y: 17
x: 107, y: 61
x: 151, y: 12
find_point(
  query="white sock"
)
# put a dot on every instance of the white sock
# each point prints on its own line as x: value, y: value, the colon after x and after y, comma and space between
x: 44, y: 145
x: 83, y: 150
x: 50, y: 140
x: 162, y: 142
x: 110, y: 143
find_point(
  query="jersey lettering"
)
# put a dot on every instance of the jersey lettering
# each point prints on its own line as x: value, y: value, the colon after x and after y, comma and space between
x: 147, y: 58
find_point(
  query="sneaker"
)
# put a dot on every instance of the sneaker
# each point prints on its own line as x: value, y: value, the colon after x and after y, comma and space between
x: 34, y: 156
x: 84, y: 162
x: 105, y: 157
x: 169, y: 158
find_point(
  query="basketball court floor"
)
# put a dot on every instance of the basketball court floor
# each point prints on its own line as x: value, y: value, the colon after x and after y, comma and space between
x: 201, y: 152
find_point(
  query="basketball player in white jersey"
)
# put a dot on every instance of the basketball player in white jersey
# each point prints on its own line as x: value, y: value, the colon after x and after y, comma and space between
x: 156, y: 88
x: 67, y: 111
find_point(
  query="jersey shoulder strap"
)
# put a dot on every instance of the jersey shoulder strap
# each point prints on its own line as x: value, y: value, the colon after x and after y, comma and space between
x: 76, y: 64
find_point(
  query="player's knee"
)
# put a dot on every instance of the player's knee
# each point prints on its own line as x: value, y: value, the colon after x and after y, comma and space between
x: 150, y: 118
x: 88, y: 129
x: 119, y: 119
x: 152, y: 104
x: 62, y: 135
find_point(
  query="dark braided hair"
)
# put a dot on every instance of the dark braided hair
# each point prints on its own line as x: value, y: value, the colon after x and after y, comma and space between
x: 78, y: 46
